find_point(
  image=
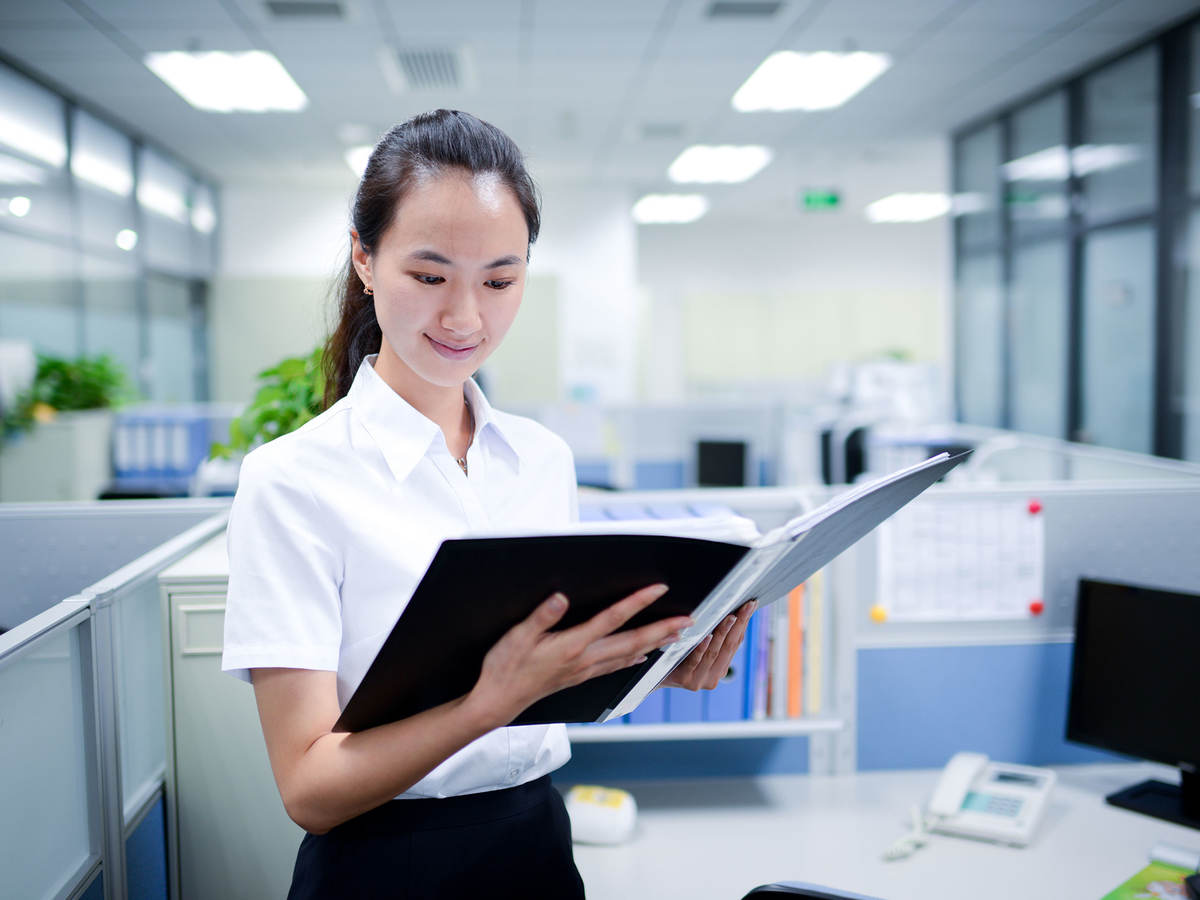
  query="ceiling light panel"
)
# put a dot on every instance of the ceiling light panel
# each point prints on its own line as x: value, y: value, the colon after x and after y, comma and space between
x: 906, y: 207
x: 788, y: 80
x: 669, y: 209
x: 217, y: 81
x: 724, y: 164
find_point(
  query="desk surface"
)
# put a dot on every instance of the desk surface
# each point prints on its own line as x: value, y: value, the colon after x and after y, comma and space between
x: 716, y: 839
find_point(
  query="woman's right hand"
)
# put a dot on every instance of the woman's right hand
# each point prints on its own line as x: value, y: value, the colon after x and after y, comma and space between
x: 531, y: 661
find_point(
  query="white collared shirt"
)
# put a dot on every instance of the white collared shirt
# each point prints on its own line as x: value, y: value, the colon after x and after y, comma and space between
x: 334, y: 524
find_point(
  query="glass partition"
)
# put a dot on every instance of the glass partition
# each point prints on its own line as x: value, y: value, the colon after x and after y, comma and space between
x: 977, y: 163
x: 1186, y: 379
x: 86, y: 214
x: 102, y: 163
x: 980, y: 330
x: 1040, y: 345
x: 1118, y: 159
x: 1036, y: 175
x: 33, y: 155
x: 163, y: 195
x: 172, y: 347
x: 137, y: 651
x: 38, y: 297
x: 47, y: 747
x: 1118, y: 338
x: 110, y: 315
x: 204, y: 228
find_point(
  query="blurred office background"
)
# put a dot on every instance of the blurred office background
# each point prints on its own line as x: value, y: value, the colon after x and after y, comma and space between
x: 1029, y: 268
x: 973, y: 225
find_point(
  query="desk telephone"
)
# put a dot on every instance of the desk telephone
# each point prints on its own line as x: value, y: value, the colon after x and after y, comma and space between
x: 993, y: 801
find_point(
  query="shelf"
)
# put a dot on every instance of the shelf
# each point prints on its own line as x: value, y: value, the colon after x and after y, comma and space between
x: 694, y: 731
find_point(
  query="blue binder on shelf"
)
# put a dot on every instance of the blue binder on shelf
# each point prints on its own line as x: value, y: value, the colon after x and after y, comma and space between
x: 683, y: 705
x: 652, y: 711
x: 748, y: 643
x: 727, y: 701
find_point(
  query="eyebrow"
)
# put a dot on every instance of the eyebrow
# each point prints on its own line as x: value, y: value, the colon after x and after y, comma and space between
x: 435, y: 257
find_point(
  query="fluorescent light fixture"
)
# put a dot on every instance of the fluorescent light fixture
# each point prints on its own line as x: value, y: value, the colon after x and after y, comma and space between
x: 969, y: 202
x: 1089, y: 158
x: 909, y: 208
x: 19, y: 206
x: 102, y: 173
x: 726, y: 164
x: 29, y: 139
x: 17, y: 171
x: 1057, y: 163
x: 204, y: 219
x: 789, y: 80
x: 162, y: 200
x: 127, y: 238
x: 217, y: 81
x: 357, y: 157
x: 1051, y: 164
x: 662, y: 209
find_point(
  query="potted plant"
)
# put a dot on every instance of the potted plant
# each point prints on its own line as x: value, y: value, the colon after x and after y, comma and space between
x: 56, y: 440
x: 292, y: 393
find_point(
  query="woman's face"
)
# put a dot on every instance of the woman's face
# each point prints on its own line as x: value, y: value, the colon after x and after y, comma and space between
x: 448, y: 275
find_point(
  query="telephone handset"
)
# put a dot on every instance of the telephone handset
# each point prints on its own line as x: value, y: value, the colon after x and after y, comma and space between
x: 994, y: 801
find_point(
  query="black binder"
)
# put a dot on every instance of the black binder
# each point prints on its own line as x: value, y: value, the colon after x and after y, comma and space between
x: 476, y: 589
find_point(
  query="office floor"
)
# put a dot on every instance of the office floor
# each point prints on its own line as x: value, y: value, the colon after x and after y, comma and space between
x: 717, y: 839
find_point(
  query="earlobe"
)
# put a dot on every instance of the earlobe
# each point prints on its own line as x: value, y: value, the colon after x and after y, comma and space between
x: 361, y: 260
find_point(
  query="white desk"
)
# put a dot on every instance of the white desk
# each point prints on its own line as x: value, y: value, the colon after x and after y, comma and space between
x: 717, y: 839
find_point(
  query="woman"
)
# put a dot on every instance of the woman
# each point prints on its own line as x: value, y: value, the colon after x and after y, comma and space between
x: 334, y: 524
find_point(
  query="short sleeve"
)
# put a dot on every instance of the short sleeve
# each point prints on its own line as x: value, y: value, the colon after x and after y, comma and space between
x: 283, y: 607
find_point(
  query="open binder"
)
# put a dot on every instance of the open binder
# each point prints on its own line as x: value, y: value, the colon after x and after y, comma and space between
x: 476, y: 589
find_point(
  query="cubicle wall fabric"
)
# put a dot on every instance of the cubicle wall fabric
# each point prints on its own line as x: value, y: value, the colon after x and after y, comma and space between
x: 918, y: 706
x: 52, y: 550
x: 146, y: 857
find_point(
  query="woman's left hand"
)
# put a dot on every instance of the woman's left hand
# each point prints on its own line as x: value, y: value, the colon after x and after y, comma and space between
x: 707, y: 664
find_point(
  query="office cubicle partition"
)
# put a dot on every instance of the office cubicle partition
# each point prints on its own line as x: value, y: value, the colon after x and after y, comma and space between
x: 909, y: 688
x: 82, y: 748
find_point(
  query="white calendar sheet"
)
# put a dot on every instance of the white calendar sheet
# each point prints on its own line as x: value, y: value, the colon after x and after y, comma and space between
x: 962, y: 560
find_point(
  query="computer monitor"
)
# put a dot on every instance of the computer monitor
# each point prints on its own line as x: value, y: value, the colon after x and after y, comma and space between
x: 1135, y: 688
x: 721, y: 463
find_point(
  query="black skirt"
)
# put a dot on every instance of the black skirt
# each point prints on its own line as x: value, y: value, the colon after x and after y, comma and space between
x: 513, y: 843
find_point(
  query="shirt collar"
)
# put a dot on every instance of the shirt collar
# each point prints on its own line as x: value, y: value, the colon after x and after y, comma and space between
x: 403, y: 434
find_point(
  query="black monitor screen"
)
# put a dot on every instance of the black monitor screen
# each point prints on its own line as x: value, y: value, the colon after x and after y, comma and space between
x: 1135, y: 679
x: 721, y: 463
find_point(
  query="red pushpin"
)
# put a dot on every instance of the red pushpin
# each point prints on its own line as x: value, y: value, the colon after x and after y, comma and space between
x: 1035, y: 507
x: 1037, y: 607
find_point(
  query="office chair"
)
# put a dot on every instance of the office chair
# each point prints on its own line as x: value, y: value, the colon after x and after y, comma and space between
x: 795, y: 890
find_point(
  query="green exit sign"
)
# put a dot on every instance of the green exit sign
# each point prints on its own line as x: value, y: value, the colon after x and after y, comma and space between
x: 819, y: 200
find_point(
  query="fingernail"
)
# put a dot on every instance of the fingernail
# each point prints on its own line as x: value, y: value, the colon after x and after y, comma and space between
x: 659, y: 590
x: 558, y: 602
x: 640, y: 659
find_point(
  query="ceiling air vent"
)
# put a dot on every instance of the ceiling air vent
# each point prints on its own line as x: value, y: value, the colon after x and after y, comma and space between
x: 743, y: 9
x: 426, y: 70
x: 293, y: 10
x: 662, y: 131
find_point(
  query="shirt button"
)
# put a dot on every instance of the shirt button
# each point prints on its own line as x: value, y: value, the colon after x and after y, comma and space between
x: 513, y: 774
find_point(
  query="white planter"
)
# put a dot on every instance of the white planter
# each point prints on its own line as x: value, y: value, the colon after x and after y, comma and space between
x: 67, y: 459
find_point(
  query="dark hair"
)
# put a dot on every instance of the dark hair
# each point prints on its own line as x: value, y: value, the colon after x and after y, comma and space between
x: 426, y: 144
